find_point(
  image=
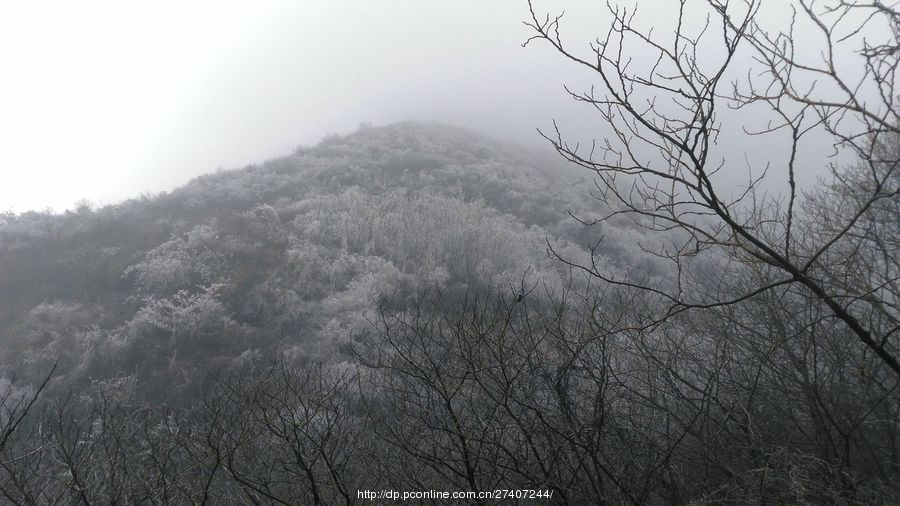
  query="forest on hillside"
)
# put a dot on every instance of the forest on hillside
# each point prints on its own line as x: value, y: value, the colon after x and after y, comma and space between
x: 390, y: 310
x: 418, y: 307
x: 289, y: 257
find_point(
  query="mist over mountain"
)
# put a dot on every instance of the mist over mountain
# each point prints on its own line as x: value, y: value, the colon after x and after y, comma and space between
x: 288, y: 256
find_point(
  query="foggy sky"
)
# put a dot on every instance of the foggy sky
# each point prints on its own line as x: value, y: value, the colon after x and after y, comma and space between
x: 105, y: 100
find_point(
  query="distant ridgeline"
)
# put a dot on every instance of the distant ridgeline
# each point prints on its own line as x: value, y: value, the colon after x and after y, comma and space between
x: 290, y: 257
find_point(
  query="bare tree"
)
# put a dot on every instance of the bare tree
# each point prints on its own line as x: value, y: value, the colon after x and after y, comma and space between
x: 20, y: 441
x: 660, y: 165
x: 497, y: 391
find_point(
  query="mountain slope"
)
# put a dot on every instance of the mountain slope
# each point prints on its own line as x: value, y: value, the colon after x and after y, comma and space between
x: 290, y: 256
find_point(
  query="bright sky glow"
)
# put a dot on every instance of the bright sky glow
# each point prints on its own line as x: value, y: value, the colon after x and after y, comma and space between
x: 107, y: 99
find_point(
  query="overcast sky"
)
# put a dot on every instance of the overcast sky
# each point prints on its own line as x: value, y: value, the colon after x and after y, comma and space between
x: 105, y: 100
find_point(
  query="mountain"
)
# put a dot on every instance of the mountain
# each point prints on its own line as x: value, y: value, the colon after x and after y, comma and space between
x: 393, y: 310
x: 291, y: 256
